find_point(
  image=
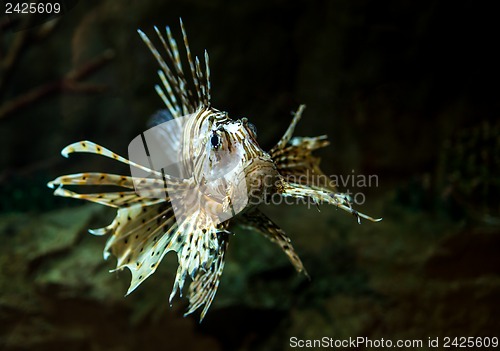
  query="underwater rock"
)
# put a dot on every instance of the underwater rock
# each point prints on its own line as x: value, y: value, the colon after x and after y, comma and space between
x: 56, y: 291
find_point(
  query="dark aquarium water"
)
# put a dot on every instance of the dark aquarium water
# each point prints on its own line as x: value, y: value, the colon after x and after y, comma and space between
x: 407, y: 93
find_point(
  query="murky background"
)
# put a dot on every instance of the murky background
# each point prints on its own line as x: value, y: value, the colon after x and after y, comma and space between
x: 405, y: 91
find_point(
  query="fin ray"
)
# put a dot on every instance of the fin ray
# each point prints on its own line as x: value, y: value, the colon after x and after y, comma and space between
x: 258, y: 221
x: 323, y: 196
x: 291, y: 128
x: 204, y: 286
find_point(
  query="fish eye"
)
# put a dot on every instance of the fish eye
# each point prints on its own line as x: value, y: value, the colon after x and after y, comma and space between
x: 253, y: 129
x: 215, y: 140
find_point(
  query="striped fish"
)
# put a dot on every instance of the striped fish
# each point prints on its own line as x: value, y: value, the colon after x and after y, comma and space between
x: 147, y: 225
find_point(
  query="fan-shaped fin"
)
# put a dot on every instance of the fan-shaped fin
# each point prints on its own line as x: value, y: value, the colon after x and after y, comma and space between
x: 260, y: 222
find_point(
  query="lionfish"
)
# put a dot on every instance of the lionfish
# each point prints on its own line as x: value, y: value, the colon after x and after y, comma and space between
x: 149, y: 223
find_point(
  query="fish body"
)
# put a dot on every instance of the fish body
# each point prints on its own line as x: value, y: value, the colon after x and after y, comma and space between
x: 220, y: 176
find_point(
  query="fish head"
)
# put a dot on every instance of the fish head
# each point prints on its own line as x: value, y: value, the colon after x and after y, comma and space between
x: 224, y: 152
x: 226, y: 148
